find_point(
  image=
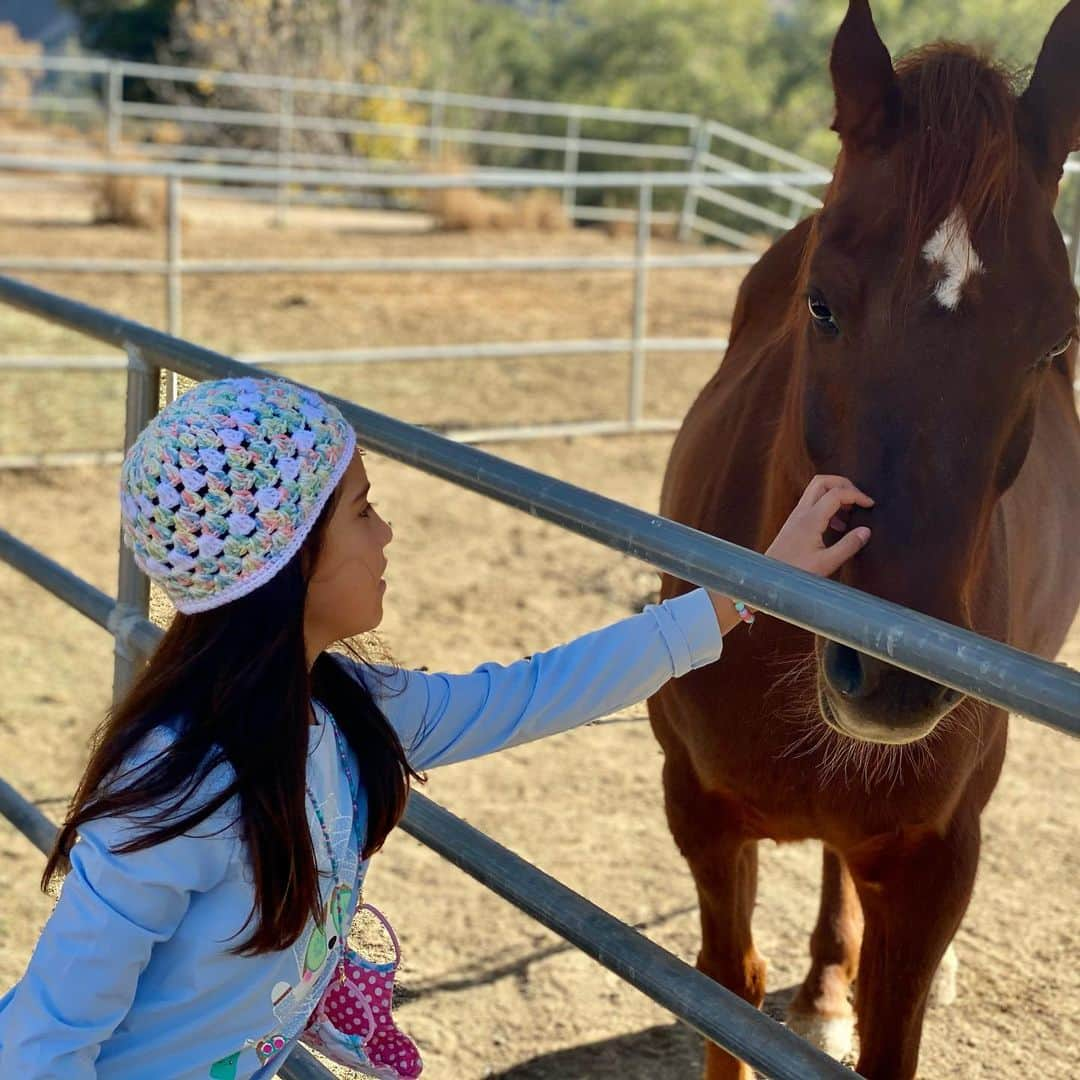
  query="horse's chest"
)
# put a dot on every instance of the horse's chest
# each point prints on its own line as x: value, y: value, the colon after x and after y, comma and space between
x: 757, y: 742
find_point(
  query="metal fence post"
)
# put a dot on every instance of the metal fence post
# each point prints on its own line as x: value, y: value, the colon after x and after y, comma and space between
x: 174, y: 278
x: 114, y: 99
x: 570, y: 162
x: 133, y: 586
x: 286, y: 116
x: 701, y: 140
x: 637, y: 348
x: 437, y: 123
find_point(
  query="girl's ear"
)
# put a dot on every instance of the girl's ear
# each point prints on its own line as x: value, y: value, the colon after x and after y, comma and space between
x: 1048, y: 115
x: 864, y: 83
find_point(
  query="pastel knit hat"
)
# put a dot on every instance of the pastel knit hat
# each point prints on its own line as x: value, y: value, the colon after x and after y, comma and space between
x: 221, y: 488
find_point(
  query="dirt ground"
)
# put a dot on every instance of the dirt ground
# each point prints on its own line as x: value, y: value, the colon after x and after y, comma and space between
x: 488, y: 992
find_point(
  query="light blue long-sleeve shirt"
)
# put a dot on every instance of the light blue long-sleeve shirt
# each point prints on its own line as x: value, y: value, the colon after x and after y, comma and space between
x: 132, y: 975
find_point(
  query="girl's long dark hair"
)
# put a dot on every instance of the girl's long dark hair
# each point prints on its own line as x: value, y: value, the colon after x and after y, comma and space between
x: 238, y: 676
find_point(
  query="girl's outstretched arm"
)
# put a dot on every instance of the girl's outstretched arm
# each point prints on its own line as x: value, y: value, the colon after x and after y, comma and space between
x: 81, y: 979
x: 444, y: 718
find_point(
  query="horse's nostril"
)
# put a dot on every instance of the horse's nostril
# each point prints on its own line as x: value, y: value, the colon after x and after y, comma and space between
x: 843, y: 669
x: 950, y: 696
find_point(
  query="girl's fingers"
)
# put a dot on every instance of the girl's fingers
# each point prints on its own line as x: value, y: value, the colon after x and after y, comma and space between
x: 822, y: 485
x: 817, y: 487
x: 835, y: 500
x: 832, y: 558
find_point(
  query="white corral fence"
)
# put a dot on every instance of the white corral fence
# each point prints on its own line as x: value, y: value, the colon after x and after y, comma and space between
x: 275, y: 120
x: 173, y: 268
x: 690, y: 159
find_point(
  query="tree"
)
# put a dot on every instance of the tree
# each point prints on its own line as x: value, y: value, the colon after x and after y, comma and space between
x: 128, y: 29
x: 1010, y: 30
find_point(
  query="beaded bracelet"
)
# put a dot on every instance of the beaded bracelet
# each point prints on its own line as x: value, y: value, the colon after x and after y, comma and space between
x: 744, y: 612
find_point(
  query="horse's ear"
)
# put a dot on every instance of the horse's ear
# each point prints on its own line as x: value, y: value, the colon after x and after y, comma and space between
x: 867, y: 94
x: 1049, y: 110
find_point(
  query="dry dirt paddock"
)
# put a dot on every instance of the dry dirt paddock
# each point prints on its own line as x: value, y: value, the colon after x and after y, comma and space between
x: 488, y: 992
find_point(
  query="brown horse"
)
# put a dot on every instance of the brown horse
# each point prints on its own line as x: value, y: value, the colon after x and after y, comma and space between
x: 918, y: 335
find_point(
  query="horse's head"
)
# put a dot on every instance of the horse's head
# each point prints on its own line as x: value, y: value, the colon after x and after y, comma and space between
x: 938, y: 303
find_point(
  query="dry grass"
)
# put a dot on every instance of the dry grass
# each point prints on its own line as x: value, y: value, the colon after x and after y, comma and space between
x: 466, y: 209
x: 167, y: 133
x: 17, y: 85
x: 136, y: 201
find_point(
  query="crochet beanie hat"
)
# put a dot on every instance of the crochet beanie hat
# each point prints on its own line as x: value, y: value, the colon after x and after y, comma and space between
x: 221, y: 488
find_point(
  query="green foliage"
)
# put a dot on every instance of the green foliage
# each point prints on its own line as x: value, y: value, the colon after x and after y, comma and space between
x: 1009, y: 30
x: 129, y: 29
x: 761, y: 65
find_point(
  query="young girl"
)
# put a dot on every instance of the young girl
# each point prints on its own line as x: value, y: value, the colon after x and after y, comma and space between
x: 248, y: 775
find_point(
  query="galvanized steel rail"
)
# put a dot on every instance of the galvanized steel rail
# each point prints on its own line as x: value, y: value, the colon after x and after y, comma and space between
x: 958, y: 658
x: 698, y: 1001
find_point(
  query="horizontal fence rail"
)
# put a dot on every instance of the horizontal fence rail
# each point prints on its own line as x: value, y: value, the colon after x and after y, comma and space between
x: 401, y: 265
x: 506, y: 178
x: 957, y: 658
x: 324, y: 86
x: 378, y: 354
x: 698, y: 1001
x: 280, y: 118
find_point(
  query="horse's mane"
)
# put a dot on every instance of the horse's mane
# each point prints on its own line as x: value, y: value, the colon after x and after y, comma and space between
x: 960, y: 142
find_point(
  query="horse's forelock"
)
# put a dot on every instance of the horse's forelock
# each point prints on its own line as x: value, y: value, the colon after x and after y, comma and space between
x: 959, y: 150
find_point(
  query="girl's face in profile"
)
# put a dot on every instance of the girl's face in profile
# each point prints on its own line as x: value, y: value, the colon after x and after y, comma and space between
x: 345, y: 591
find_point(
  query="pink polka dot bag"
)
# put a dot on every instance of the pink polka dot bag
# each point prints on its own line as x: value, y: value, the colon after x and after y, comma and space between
x: 353, y: 1024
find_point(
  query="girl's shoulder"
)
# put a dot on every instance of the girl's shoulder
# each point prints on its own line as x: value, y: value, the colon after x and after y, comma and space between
x: 208, y: 778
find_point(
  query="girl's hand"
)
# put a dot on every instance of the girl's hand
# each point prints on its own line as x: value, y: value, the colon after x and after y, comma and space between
x: 799, y: 542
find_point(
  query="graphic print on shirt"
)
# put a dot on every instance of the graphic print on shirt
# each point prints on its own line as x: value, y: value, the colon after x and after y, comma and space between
x: 316, y: 951
x: 225, y: 1069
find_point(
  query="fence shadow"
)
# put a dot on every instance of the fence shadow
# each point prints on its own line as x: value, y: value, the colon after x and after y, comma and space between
x: 665, y: 1052
x: 670, y: 1050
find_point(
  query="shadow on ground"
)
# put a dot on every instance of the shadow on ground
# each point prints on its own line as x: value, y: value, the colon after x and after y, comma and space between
x: 657, y: 1053
x: 671, y: 1050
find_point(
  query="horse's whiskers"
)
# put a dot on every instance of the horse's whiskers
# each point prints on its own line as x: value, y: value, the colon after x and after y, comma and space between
x: 856, y: 761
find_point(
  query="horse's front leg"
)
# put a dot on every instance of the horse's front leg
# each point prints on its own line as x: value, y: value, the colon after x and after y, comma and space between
x: 914, y: 886
x: 820, y: 1011
x: 724, y: 864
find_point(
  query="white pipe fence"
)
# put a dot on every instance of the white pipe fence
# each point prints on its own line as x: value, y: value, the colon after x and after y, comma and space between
x: 709, y: 180
x: 284, y: 119
x: 173, y: 269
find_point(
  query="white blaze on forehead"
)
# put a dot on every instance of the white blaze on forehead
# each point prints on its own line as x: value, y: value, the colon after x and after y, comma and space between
x: 951, y: 249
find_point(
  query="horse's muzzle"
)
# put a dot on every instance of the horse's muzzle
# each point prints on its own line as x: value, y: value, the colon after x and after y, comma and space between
x: 864, y: 698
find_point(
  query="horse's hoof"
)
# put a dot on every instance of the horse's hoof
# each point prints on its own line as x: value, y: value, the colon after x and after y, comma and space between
x: 943, y: 988
x: 835, y: 1035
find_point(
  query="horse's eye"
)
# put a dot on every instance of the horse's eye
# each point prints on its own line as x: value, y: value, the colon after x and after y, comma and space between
x: 822, y: 314
x: 1048, y: 358
x: 1061, y: 348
